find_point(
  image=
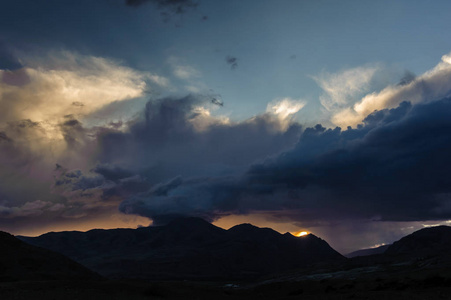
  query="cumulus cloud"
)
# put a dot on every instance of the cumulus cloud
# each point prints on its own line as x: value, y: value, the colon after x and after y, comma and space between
x: 430, y: 86
x: 184, y: 138
x: 98, y: 166
x: 393, y: 167
x: 43, y: 105
x: 178, y: 156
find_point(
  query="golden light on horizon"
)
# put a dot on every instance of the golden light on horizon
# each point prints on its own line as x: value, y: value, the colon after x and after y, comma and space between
x: 301, y: 233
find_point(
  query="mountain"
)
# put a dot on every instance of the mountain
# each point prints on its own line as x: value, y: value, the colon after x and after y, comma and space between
x: 425, y: 249
x: 21, y: 261
x: 428, y: 241
x: 432, y: 241
x: 188, y: 248
x: 369, y: 251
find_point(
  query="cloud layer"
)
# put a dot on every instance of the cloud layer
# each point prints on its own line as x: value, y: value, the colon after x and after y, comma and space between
x: 42, y: 108
x: 70, y: 152
x: 393, y: 167
x: 340, y: 89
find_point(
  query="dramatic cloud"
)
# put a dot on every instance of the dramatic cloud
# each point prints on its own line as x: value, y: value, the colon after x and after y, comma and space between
x: 432, y: 85
x: 180, y: 136
x: 67, y: 84
x: 98, y: 166
x: 43, y: 108
x: 393, y: 167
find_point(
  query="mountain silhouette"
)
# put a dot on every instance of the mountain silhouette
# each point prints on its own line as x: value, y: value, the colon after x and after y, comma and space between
x: 21, y: 261
x: 432, y: 241
x: 188, y: 248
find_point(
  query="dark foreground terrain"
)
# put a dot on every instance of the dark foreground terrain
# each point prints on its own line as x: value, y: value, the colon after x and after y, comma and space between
x: 416, y: 267
x: 413, y: 286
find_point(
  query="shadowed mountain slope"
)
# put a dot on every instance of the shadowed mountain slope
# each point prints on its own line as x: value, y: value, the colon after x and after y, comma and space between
x: 425, y: 242
x: 188, y: 248
x: 21, y: 261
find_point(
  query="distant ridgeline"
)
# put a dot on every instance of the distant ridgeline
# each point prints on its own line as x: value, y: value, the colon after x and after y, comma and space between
x: 424, y: 243
x: 188, y: 248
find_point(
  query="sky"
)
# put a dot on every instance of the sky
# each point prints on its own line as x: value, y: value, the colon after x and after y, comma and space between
x: 332, y: 117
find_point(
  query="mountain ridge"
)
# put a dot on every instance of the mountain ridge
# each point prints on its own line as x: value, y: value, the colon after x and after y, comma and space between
x: 188, y: 248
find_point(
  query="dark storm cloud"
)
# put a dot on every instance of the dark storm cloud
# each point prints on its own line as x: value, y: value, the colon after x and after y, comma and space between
x: 167, y: 141
x: 395, y: 166
x: 232, y: 61
x: 173, y: 138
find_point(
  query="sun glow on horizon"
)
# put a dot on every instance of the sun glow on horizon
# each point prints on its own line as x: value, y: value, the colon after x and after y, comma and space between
x: 301, y: 233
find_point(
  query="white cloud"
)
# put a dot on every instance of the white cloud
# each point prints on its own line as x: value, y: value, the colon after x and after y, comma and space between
x: 341, y: 89
x: 69, y: 84
x: 182, y: 70
x: 186, y: 72
x: 41, y: 106
x: 432, y: 85
x: 284, y: 108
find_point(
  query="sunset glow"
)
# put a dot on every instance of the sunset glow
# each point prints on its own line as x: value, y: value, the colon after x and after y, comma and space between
x: 301, y: 233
